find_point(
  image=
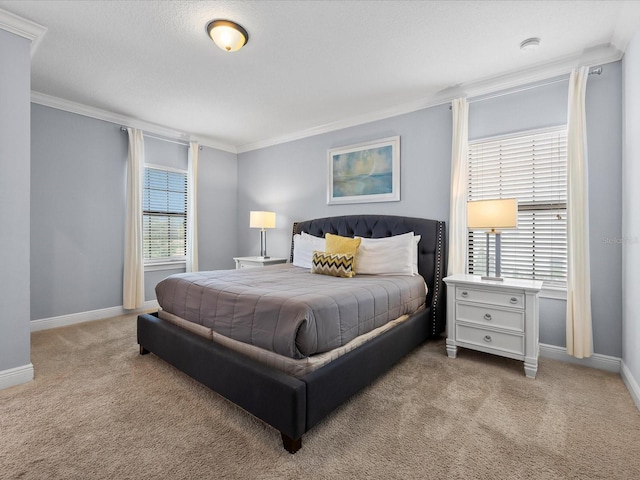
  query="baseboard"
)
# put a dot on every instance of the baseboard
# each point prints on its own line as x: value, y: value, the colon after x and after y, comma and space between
x: 631, y: 383
x: 16, y: 376
x: 601, y: 362
x: 72, y: 319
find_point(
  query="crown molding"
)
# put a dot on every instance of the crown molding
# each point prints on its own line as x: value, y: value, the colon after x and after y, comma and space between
x: 557, y: 68
x: 346, y: 123
x: 563, y: 66
x: 124, y: 120
x: 22, y: 27
x: 490, y: 85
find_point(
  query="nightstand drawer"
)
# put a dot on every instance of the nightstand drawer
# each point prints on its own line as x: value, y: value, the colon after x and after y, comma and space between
x: 506, y: 299
x: 489, y: 339
x: 480, y: 314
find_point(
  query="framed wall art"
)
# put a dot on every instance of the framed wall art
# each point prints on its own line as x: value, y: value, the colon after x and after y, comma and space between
x: 363, y: 173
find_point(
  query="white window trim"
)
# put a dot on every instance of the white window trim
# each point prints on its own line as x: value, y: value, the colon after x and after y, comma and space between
x: 168, y: 169
x: 519, y: 133
x: 548, y: 291
x: 166, y: 263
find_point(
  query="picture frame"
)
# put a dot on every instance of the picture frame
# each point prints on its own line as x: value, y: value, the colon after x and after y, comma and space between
x: 364, y: 173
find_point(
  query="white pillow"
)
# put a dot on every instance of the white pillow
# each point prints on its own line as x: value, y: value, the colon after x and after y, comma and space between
x: 416, y: 239
x: 303, y: 247
x: 395, y: 255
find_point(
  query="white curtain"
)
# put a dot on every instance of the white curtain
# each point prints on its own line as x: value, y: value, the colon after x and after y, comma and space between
x: 133, y: 282
x: 457, y: 262
x: 192, y: 208
x: 579, y: 332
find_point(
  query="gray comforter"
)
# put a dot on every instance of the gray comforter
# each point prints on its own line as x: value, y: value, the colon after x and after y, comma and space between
x: 287, y: 309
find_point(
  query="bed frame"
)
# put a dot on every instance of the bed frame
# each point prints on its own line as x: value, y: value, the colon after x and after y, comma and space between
x: 294, y: 405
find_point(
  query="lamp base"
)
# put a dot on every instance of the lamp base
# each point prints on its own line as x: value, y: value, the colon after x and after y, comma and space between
x: 263, y: 244
x: 497, y: 277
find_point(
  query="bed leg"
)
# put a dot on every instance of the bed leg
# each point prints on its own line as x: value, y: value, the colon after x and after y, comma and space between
x: 143, y: 351
x: 291, y: 445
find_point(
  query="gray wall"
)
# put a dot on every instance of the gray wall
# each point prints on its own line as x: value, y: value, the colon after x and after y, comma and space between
x: 78, y: 209
x: 15, y: 94
x: 604, y: 137
x: 630, y: 241
x: 217, y: 209
x: 290, y: 179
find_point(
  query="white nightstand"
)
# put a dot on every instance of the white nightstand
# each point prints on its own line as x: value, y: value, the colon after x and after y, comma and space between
x: 494, y: 317
x: 254, y: 262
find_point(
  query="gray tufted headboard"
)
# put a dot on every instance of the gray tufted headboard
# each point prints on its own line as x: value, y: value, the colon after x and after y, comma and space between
x: 432, y: 257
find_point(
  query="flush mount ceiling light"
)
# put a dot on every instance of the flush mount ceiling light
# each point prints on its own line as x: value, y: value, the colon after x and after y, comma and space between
x: 228, y: 35
x: 530, y: 44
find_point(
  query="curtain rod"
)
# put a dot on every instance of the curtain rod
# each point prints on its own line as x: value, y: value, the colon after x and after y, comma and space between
x: 179, y: 142
x: 594, y: 71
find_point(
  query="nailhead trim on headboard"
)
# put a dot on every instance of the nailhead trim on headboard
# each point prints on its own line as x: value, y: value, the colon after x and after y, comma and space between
x: 293, y: 232
x: 438, y: 278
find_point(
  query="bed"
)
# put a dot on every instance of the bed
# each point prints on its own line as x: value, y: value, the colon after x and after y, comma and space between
x: 291, y: 403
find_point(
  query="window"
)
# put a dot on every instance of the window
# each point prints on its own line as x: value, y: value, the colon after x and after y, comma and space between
x: 164, y: 216
x: 531, y: 167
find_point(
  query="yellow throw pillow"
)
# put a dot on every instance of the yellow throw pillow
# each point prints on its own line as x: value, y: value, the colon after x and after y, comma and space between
x: 338, y: 244
x: 334, y: 264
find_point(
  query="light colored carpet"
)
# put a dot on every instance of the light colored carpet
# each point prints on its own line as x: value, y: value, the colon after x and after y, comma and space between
x: 97, y: 409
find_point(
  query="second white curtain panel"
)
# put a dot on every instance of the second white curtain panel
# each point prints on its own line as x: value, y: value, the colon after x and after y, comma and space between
x: 192, y: 207
x: 579, y: 328
x: 457, y: 262
x: 133, y: 281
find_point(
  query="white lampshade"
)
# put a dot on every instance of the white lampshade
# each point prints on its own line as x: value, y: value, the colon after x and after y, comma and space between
x: 492, y: 214
x: 228, y: 35
x: 262, y: 220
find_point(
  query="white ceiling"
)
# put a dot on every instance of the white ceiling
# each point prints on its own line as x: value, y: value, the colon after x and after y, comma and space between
x: 309, y: 66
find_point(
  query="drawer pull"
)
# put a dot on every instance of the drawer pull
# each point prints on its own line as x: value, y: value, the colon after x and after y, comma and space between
x: 464, y: 293
x: 513, y: 300
x: 487, y: 338
x: 487, y: 316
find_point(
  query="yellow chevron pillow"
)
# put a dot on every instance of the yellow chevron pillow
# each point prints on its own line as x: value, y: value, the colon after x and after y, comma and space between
x: 334, y: 264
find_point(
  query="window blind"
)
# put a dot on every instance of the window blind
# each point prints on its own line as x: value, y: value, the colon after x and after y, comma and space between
x: 531, y: 167
x: 164, y: 216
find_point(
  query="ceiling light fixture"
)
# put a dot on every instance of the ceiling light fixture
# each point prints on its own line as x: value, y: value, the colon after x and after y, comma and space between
x: 228, y: 35
x: 530, y: 44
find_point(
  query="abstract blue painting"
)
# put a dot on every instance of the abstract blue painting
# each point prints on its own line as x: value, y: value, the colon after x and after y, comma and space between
x: 365, y: 172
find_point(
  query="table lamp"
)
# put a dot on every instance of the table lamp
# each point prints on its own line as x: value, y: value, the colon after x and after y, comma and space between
x: 493, y: 215
x: 262, y: 220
